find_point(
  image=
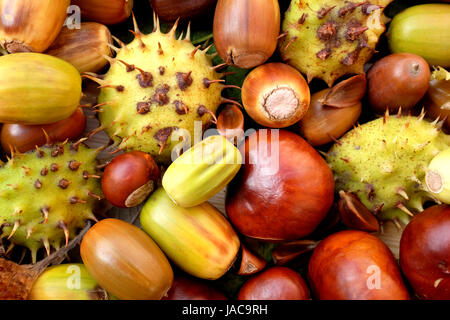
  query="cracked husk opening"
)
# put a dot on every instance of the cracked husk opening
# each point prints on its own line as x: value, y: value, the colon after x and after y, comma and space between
x: 14, y: 46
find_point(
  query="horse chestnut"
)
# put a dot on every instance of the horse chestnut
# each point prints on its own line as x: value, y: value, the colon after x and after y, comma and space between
x: 277, y: 283
x: 355, y: 265
x: 425, y: 253
x: 190, y: 289
x: 284, y: 189
x: 129, y: 179
x: 399, y: 80
x: 24, y: 138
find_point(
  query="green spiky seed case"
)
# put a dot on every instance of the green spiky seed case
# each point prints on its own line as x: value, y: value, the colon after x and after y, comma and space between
x: 327, y: 39
x: 385, y: 161
x: 46, y: 193
x: 158, y: 85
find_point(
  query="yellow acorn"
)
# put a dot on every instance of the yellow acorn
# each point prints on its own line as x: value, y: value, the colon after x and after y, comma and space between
x: 202, y: 171
x: 199, y: 240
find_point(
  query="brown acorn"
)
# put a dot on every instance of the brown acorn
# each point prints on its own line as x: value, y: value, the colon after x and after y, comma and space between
x: 246, y: 31
x: 84, y: 48
x: 106, y: 12
x: 30, y: 25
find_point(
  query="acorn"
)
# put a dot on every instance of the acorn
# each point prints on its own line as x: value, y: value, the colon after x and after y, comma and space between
x: 67, y: 282
x: 246, y: 31
x: 30, y: 25
x: 125, y: 261
x: 275, y: 95
x: 37, y: 89
x: 106, y: 12
x: 333, y: 111
x: 84, y: 48
x: 199, y: 240
x: 202, y: 171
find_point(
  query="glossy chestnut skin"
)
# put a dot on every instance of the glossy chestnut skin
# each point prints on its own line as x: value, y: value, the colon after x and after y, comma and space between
x: 190, y: 289
x: 397, y: 80
x: 355, y: 265
x: 279, y: 202
x: 125, y: 261
x: 322, y: 124
x: 106, y: 12
x: 26, y: 137
x: 437, y: 101
x: 172, y: 10
x: 246, y: 31
x: 425, y: 253
x: 276, y: 283
x: 132, y: 174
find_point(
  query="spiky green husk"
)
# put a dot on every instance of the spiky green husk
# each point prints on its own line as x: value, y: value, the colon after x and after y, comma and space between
x: 384, y: 162
x: 327, y: 39
x: 168, y: 102
x: 46, y: 192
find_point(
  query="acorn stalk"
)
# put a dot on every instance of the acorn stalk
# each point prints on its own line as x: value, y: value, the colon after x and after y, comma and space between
x: 84, y: 48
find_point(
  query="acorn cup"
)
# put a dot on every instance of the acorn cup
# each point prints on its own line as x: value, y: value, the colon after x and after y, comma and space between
x: 30, y: 25
x: 199, y: 240
x: 106, y: 12
x: 84, y: 48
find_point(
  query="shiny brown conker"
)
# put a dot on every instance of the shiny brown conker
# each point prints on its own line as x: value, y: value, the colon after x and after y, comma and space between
x: 130, y: 178
x: 276, y: 283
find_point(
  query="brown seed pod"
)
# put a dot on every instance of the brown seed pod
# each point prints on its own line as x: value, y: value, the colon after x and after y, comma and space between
x: 230, y: 122
x: 30, y: 25
x: 275, y: 95
x: 437, y: 100
x: 355, y: 215
x: 84, y: 48
x: 246, y: 31
x: 172, y: 10
x: 250, y: 263
x: 323, y: 124
x: 287, y: 252
x: 106, y: 12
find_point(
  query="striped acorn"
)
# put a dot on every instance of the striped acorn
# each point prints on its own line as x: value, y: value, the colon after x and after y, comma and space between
x: 202, y: 171
x: 30, y: 25
x: 67, y: 282
x: 199, y: 239
x: 84, y: 48
x: 423, y: 30
x: 37, y: 89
